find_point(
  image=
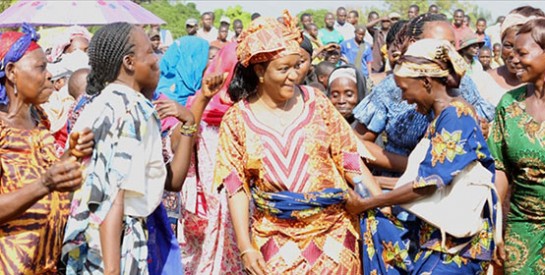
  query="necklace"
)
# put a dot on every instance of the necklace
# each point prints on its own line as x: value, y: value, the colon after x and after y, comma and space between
x: 282, y: 118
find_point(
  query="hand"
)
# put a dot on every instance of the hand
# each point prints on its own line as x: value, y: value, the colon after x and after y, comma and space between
x: 63, y: 176
x: 485, y: 127
x: 254, y: 263
x: 499, y: 254
x: 212, y: 84
x: 353, y: 204
x: 167, y: 107
x: 81, y: 143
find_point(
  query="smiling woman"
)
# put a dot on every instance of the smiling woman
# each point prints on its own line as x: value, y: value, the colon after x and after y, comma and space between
x: 424, y: 74
x: 287, y: 145
x: 517, y: 143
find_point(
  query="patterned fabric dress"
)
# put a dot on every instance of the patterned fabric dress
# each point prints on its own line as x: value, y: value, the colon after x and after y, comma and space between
x: 384, y: 111
x: 128, y: 156
x: 207, y: 239
x: 312, y: 154
x: 31, y: 242
x: 456, y: 141
x: 517, y: 142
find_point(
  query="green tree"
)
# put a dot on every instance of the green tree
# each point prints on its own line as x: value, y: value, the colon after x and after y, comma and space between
x: 175, y: 15
x: 4, y: 4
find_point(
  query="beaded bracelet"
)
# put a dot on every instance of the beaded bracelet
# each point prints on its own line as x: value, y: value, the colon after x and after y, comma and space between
x: 188, y: 130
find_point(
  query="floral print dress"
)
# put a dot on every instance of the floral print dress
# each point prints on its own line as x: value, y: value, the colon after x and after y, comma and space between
x: 517, y: 143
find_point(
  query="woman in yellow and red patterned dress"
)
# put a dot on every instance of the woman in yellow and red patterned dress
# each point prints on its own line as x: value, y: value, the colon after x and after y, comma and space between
x: 34, y: 183
x: 287, y: 145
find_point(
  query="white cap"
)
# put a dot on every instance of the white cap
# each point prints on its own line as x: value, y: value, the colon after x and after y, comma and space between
x: 225, y: 19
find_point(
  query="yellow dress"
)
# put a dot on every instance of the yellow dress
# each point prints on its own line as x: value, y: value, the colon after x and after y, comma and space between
x: 31, y: 242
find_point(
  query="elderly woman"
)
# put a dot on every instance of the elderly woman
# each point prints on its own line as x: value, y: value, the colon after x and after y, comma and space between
x: 292, y: 151
x: 517, y: 143
x: 34, y: 183
x: 383, y: 111
x: 424, y: 74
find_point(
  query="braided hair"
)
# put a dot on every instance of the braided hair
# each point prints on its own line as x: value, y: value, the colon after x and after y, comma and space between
x: 106, y: 51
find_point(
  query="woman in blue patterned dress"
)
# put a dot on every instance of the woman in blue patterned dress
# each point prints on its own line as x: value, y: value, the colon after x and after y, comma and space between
x: 424, y: 78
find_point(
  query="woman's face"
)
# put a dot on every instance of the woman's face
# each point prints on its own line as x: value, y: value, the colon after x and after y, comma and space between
x: 280, y: 77
x: 31, y: 78
x: 414, y: 91
x: 304, y: 67
x: 528, y: 58
x: 343, y: 93
x: 146, y: 69
x: 508, y: 42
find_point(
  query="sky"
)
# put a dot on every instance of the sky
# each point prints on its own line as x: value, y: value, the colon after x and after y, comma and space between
x: 274, y: 8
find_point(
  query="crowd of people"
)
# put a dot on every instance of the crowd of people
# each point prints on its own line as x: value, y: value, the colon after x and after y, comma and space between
x: 411, y: 144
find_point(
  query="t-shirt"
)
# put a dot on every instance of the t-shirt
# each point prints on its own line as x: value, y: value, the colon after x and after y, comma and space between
x: 208, y: 36
x: 327, y: 36
x: 346, y: 30
x: 350, y: 49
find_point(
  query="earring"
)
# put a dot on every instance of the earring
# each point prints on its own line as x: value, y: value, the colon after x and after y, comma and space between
x: 260, y: 79
x: 14, y: 89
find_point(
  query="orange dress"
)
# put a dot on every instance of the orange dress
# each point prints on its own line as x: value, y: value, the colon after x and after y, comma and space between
x: 312, y: 154
x: 31, y: 242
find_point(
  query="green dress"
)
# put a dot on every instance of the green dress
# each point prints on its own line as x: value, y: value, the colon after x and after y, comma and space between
x: 517, y: 143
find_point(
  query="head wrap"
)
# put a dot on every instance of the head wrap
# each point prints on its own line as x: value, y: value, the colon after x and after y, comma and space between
x: 349, y: 73
x: 13, y: 46
x: 64, y: 39
x: 267, y: 39
x: 431, y: 58
x: 514, y: 19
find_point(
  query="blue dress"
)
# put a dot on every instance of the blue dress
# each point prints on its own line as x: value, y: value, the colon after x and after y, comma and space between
x: 456, y: 142
x: 383, y: 110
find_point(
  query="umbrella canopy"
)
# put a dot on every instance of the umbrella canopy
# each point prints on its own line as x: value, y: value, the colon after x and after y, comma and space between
x: 83, y: 12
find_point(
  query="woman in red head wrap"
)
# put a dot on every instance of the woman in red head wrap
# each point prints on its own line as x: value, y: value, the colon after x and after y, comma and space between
x: 34, y: 183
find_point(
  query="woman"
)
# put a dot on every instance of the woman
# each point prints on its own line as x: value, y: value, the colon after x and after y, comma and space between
x: 384, y: 111
x: 280, y: 144
x: 456, y: 142
x: 345, y: 90
x: 517, y: 144
x: 34, y: 183
x: 126, y: 176
x: 505, y: 75
x: 208, y: 240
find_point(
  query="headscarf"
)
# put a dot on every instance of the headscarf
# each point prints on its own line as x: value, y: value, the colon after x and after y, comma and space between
x: 224, y: 62
x: 514, y: 19
x: 267, y: 39
x: 431, y: 58
x: 13, y: 46
x: 63, y: 40
x: 350, y: 72
x: 182, y: 68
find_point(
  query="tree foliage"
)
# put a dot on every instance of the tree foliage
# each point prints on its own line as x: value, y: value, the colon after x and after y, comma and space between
x: 4, y: 4
x: 175, y: 15
x: 233, y: 12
